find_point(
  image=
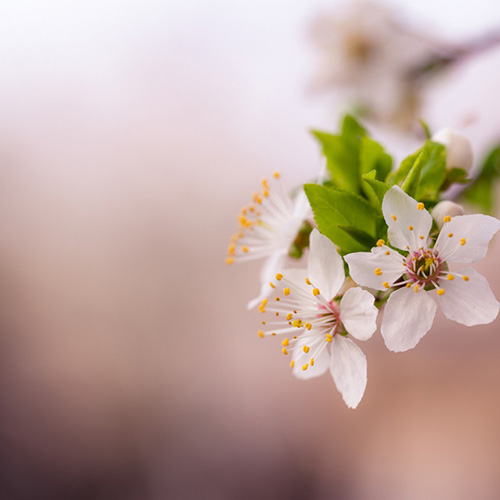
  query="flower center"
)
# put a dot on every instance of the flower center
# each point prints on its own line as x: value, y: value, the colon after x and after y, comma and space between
x: 331, y: 315
x: 424, y: 267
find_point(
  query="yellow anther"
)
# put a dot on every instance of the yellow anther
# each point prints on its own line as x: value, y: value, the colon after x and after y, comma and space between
x: 394, y: 217
x: 271, y: 284
x: 421, y: 237
x: 258, y: 200
x: 307, y: 281
x: 279, y: 276
x: 380, y: 243
x: 297, y: 323
x: 284, y: 342
x: 329, y: 337
x: 316, y: 291
x: 276, y: 175
x: 231, y: 248
x: 289, y: 316
x: 308, y: 326
x: 450, y: 235
x: 416, y: 288
x: 450, y: 277
x: 462, y: 241
x: 277, y: 299
x: 292, y: 363
x: 273, y: 334
x: 311, y: 362
x: 386, y: 284
x: 440, y: 291
x: 229, y: 260
x: 388, y: 253
x: 251, y: 208
x: 263, y: 322
x: 242, y: 220
x: 265, y: 184
x: 305, y: 367
x: 465, y: 278
x: 408, y: 285
x: 378, y: 271
x: 244, y: 211
x: 446, y: 218
x: 284, y: 351
x: 244, y: 248
x: 265, y: 193
x: 410, y: 228
x: 277, y: 314
x: 420, y: 206
x: 286, y: 291
x: 306, y: 349
x: 295, y: 337
x: 261, y: 334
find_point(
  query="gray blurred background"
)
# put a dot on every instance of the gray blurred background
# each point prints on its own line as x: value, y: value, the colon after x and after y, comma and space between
x: 131, y: 133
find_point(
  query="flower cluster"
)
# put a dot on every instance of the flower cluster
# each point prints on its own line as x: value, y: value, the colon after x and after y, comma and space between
x: 373, y: 221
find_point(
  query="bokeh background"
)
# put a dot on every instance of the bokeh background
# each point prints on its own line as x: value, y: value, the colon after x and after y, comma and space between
x: 131, y: 133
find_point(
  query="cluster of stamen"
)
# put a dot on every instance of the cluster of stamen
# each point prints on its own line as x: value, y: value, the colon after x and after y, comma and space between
x: 246, y: 243
x: 318, y: 319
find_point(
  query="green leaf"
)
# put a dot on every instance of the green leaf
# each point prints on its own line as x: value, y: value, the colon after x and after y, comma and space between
x: 352, y: 128
x: 432, y: 156
x: 481, y: 191
x: 411, y: 182
x: 344, y: 217
x: 374, y: 189
x: 342, y: 156
x: 426, y: 128
x: 373, y: 157
x: 458, y: 175
x: 365, y: 239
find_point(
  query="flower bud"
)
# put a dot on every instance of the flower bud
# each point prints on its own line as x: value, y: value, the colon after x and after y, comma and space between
x: 446, y: 209
x: 458, y: 148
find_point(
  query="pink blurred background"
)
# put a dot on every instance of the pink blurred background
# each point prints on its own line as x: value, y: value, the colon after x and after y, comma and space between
x: 130, y: 135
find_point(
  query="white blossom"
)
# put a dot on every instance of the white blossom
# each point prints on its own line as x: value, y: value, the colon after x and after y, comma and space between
x: 368, y: 54
x: 458, y: 148
x: 424, y: 274
x: 444, y: 208
x: 324, y: 315
x: 268, y: 227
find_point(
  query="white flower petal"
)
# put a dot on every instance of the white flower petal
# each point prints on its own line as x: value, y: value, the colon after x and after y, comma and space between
x: 465, y: 238
x: 348, y: 369
x: 406, y: 222
x: 468, y: 302
x: 358, y: 313
x: 271, y: 266
x: 458, y: 148
x: 382, y: 265
x: 324, y: 266
x: 321, y: 361
x: 301, y: 207
x: 408, y: 316
x: 446, y: 208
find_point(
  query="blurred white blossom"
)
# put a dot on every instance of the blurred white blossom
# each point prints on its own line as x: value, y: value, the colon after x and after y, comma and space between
x: 368, y: 55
